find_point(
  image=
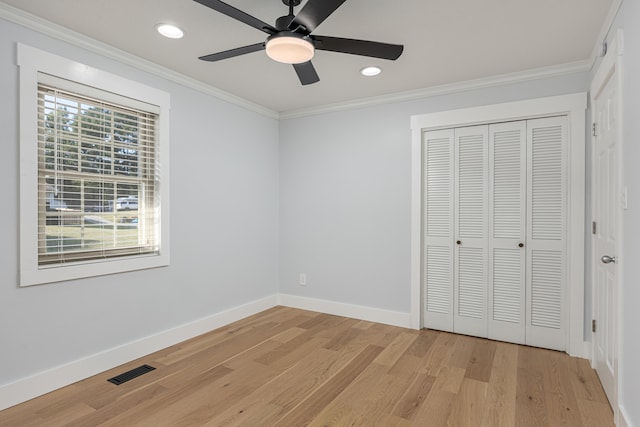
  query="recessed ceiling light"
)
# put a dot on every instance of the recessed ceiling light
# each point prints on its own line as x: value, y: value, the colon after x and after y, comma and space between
x: 370, y: 71
x: 170, y: 31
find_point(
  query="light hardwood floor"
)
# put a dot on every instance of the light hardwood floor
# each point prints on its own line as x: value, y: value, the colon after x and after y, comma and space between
x: 289, y: 367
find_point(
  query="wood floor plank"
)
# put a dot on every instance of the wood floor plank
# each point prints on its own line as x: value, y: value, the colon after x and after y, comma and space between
x: 368, y: 408
x: 449, y: 379
x: 439, y: 353
x: 468, y: 406
x: 500, y: 405
x: 562, y: 406
x: 290, y: 367
x: 340, y: 341
x: 131, y: 401
x: 461, y: 352
x: 584, y: 380
x: 306, y: 411
x: 392, y: 352
x: 284, y: 392
x: 481, y: 362
x: 435, y: 410
x: 418, y: 391
x: 422, y: 343
x: 595, y: 414
x: 406, y: 367
x: 530, y: 392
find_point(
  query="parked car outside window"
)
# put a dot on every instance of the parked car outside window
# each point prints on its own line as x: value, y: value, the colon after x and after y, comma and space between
x: 127, y: 203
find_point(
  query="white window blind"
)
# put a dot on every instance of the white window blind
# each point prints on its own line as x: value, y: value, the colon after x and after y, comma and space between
x: 98, y: 176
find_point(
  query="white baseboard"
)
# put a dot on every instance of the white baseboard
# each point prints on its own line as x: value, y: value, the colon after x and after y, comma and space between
x: 378, y: 315
x: 44, y: 382
x: 586, y: 350
x: 623, y: 418
x: 27, y: 388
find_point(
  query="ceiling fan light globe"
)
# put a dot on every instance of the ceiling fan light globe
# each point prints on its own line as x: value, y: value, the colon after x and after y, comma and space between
x: 290, y: 49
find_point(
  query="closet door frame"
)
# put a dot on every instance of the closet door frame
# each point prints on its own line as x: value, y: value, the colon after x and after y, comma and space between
x: 573, y: 106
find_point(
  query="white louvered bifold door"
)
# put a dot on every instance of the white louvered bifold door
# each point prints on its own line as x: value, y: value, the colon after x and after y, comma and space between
x: 437, y: 272
x: 470, y: 254
x: 546, y: 252
x: 507, y: 216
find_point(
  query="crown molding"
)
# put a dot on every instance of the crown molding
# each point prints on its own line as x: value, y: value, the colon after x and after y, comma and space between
x: 487, y: 82
x: 59, y: 32
x: 604, y: 31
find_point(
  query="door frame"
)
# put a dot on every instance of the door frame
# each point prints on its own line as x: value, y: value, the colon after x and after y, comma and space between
x: 573, y: 106
x: 611, y: 64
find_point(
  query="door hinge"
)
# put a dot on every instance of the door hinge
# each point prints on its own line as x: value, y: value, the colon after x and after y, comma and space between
x: 593, y: 325
x: 594, y: 130
x: 594, y: 227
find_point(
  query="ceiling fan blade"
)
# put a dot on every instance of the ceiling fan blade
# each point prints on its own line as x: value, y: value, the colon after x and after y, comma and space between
x: 359, y: 47
x: 238, y: 14
x: 233, y: 52
x: 314, y: 12
x: 306, y: 73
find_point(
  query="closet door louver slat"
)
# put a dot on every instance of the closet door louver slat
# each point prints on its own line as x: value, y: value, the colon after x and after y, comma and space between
x: 437, y: 158
x: 470, y: 259
x: 507, y: 189
x: 546, y: 141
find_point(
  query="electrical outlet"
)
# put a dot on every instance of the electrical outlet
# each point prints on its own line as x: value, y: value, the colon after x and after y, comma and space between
x: 302, y: 279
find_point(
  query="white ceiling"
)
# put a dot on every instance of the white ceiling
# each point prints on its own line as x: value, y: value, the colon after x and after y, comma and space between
x: 446, y: 41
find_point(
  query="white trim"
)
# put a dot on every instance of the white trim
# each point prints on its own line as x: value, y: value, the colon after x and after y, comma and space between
x: 388, y: 317
x: 52, y: 379
x: 447, y: 89
x: 44, y: 382
x: 59, y: 32
x: 623, y: 418
x: 604, y: 30
x: 416, y: 314
x: 612, y: 63
x: 32, y: 62
x: 586, y: 350
x: 574, y: 107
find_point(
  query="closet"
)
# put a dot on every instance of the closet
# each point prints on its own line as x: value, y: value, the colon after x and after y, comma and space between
x: 494, y: 224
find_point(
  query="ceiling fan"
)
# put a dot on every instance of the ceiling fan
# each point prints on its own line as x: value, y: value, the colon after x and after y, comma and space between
x: 290, y: 41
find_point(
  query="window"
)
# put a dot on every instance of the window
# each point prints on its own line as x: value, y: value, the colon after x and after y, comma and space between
x: 93, y: 171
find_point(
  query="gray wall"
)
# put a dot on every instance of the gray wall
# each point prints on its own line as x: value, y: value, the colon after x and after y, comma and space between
x: 345, y: 182
x: 224, y: 192
x: 629, y: 350
x: 326, y: 195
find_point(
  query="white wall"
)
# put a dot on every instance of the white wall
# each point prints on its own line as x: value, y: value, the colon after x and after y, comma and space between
x: 345, y: 182
x: 629, y: 350
x: 224, y: 192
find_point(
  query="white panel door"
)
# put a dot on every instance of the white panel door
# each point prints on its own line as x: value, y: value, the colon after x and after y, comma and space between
x: 546, y: 235
x: 507, y: 217
x: 437, y: 199
x: 470, y: 254
x: 605, y: 214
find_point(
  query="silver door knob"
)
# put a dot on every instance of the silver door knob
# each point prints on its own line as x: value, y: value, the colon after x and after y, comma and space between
x: 608, y: 259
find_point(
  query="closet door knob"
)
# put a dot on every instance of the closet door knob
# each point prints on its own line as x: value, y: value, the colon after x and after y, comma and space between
x: 521, y: 245
x: 608, y: 259
x: 458, y: 242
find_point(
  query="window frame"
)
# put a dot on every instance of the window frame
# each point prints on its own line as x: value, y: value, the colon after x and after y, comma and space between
x: 32, y: 62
